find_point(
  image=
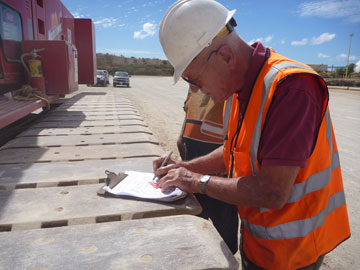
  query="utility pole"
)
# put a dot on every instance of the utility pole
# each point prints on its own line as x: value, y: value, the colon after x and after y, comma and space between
x: 347, y: 63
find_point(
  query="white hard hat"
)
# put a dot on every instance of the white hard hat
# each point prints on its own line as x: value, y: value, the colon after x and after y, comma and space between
x: 188, y: 27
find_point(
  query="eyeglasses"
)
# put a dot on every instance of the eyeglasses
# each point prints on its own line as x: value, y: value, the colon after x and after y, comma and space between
x: 193, y: 82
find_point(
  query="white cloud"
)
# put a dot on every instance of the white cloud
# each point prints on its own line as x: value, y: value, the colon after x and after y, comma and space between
x: 344, y: 56
x: 77, y: 15
x: 302, y: 42
x: 357, y: 67
x: 348, y: 9
x: 268, y: 38
x: 324, y: 37
x: 341, y: 56
x: 106, y: 22
x: 282, y: 41
x: 264, y: 40
x: 149, y: 29
x: 321, y: 55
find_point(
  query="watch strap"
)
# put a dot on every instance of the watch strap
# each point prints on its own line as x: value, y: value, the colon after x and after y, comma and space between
x: 203, y: 181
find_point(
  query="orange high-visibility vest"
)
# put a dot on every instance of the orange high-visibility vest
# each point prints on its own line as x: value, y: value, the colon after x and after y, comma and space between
x: 204, y: 119
x: 314, y: 220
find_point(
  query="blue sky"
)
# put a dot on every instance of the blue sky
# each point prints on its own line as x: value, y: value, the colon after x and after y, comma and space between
x: 313, y: 32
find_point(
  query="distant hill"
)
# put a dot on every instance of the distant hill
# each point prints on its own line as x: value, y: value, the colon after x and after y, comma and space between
x: 134, y: 66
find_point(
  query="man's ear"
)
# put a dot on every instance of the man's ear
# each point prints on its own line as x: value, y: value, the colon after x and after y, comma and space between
x: 226, y: 53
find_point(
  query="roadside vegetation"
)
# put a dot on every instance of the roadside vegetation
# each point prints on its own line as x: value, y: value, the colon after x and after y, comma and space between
x: 338, y: 77
x: 134, y: 66
x: 158, y: 67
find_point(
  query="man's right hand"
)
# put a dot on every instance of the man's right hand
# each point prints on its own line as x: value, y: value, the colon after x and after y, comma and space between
x: 160, y: 172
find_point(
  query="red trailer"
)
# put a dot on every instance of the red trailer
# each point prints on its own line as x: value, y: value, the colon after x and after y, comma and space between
x: 44, y: 54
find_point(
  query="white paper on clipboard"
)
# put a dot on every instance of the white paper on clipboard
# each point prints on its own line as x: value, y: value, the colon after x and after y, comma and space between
x: 139, y: 185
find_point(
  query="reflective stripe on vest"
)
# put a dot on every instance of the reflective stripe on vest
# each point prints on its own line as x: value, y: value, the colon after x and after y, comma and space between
x: 298, y: 228
x: 212, y: 129
x: 227, y: 111
x: 204, y: 119
x: 321, y: 179
x: 269, y: 78
x: 314, y: 182
x: 318, y: 180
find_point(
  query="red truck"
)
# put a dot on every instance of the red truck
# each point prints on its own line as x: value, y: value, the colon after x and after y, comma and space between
x: 44, y: 54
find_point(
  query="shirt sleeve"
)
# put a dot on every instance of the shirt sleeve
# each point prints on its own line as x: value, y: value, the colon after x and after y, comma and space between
x: 292, y: 122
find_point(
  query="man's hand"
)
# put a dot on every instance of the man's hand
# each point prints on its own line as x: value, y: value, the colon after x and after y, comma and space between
x: 180, y: 177
x: 159, y: 172
x: 174, y: 175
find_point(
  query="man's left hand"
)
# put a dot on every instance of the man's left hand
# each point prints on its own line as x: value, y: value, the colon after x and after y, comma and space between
x: 182, y: 178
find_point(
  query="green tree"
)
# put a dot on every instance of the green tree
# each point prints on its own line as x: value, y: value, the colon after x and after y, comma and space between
x: 351, y: 68
x: 340, y: 72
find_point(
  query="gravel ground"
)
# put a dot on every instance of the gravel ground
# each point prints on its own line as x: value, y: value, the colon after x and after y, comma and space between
x: 161, y: 106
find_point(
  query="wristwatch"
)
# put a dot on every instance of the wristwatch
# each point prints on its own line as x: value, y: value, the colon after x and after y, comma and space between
x: 203, y: 181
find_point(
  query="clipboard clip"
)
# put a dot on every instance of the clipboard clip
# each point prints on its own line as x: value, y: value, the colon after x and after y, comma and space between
x: 113, y: 179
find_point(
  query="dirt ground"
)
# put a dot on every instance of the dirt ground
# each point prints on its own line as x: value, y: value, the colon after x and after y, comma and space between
x: 160, y: 105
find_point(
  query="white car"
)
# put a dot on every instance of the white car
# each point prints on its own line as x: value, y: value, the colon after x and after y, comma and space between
x: 102, y: 77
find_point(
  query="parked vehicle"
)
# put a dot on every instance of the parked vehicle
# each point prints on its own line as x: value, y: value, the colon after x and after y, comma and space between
x: 102, y: 77
x: 121, y: 78
x: 106, y: 75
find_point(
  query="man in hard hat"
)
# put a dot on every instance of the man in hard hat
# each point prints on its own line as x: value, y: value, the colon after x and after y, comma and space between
x: 279, y: 151
x: 203, y: 132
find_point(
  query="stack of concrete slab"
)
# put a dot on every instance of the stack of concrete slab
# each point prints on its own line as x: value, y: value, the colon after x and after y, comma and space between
x: 49, y: 177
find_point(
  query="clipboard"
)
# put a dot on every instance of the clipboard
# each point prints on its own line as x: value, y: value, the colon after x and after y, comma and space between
x: 137, y: 185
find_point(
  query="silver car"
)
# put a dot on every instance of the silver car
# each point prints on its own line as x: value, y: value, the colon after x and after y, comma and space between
x: 121, y: 78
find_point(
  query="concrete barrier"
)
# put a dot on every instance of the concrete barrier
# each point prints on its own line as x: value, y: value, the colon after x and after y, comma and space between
x: 344, y: 88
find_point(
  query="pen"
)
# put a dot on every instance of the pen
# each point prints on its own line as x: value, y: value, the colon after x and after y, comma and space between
x: 165, y: 161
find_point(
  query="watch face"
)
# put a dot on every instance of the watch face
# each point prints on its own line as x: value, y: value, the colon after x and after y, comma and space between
x: 204, y: 178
